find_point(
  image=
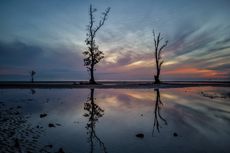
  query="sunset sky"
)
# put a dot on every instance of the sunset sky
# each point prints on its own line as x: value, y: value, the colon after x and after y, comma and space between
x: 48, y: 36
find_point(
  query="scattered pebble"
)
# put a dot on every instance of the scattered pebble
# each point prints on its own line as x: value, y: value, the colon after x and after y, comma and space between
x: 140, y: 135
x: 51, y: 125
x: 175, y: 134
x: 61, y: 150
x: 43, y: 115
x: 39, y: 127
x: 58, y: 124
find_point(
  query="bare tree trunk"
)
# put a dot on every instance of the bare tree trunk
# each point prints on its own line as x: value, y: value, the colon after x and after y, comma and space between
x: 92, y: 80
x: 157, y: 79
x: 157, y: 76
x: 158, y: 48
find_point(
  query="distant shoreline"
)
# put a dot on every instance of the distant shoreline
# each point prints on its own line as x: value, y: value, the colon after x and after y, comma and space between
x: 110, y: 84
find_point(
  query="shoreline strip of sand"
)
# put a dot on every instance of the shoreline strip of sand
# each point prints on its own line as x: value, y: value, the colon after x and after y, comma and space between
x: 111, y: 84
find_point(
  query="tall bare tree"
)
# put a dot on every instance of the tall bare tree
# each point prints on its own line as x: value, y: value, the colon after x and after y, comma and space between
x: 158, y: 47
x: 93, y: 55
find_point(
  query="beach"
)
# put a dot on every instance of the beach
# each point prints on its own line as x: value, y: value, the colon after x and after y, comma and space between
x: 114, y: 117
x: 111, y: 84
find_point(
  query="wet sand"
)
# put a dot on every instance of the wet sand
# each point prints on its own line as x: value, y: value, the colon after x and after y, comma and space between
x: 112, y: 84
x: 24, y: 131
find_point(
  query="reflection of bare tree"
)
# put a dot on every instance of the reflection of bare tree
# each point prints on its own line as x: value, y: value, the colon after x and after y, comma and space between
x: 94, y: 112
x: 32, y: 91
x: 157, y: 112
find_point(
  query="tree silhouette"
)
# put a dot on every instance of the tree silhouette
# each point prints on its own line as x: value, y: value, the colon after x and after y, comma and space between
x: 93, y: 55
x: 94, y: 112
x: 32, y: 73
x: 157, y: 112
x: 158, y: 46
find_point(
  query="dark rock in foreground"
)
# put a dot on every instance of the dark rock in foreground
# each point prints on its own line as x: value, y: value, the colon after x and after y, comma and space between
x: 61, y: 150
x: 140, y: 135
x: 43, y: 115
x: 51, y: 125
x: 175, y: 134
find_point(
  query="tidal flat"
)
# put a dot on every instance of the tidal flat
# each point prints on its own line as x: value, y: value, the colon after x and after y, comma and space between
x: 161, y: 120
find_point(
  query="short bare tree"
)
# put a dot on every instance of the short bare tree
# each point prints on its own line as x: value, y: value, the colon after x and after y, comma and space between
x: 93, y: 55
x: 158, y: 47
x: 32, y: 73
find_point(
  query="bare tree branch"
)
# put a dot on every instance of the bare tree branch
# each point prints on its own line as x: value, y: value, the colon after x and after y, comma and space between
x: 102, y: 21
x: 157, y: 51
x: 163, y: 46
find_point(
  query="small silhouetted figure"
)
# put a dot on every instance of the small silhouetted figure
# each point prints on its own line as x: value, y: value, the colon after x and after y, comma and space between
x: 158, y: 47
x: 32, y: 73
x: 93, y: 55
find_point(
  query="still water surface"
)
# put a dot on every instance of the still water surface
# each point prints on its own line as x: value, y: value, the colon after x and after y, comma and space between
x: 107, y: 120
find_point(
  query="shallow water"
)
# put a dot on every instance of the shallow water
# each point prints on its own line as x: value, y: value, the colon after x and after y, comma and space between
x: 184, y: 120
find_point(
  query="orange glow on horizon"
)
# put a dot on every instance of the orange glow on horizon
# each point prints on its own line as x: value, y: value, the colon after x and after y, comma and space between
x: 196, y: 72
